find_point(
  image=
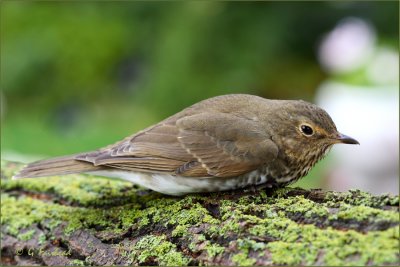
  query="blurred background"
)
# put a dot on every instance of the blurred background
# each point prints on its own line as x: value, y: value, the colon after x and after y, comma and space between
x: 77, y: 76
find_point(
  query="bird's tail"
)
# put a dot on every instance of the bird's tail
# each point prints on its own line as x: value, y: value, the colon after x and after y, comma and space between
x: 55, y: 166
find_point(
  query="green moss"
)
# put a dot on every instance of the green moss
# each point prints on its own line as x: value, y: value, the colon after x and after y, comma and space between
x: 26, y: 235
x: 77, y: 263
x: 299, y: 204
x: 286, y: 229
x: 180, y: 230
x: 162, y: 251
x: 241, y: 259
x: 357, y: 197
x: 23, y: 212
x: 337, y: 245
x: 187, y: 216
x: 360, y: 213
x: 42, y: 239
x: 282, y: 192
x: 214, y: 250
x: 284, y: 253
x: 248, y: 244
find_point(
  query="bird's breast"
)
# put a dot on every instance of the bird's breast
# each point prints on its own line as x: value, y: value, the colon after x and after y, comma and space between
x: 293, y: 169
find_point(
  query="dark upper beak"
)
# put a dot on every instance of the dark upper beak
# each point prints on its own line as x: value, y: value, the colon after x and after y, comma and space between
x: 344, y: 139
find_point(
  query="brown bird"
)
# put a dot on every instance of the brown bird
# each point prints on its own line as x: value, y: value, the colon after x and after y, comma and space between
x: 222, y: 143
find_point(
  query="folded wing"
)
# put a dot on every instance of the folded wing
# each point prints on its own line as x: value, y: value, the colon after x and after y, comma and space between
x: 200, y: 145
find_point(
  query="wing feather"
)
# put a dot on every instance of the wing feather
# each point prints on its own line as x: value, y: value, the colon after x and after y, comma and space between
x: 202, y: 145
x: 226, y: 145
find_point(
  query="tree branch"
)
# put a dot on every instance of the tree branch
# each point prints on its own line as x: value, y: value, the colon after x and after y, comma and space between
x: 86, y: 220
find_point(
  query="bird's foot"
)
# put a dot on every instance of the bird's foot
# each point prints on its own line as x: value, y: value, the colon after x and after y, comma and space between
x: 261, y: 187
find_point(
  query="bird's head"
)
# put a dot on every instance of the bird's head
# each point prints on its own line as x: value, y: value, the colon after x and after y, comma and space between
x: 309, y: 131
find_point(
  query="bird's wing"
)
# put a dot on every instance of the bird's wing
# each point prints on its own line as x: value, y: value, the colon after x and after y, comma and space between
x: 201, y: 145
x: 155, y: 149
x: 224, y: 144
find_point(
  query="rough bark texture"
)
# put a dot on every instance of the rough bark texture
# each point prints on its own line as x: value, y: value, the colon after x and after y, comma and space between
x: 86, y: 220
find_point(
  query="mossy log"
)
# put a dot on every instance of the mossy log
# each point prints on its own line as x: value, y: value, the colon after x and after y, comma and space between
x: 86, y: 220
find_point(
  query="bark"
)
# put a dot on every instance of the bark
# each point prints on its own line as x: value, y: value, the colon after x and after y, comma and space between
x: 87, y: 220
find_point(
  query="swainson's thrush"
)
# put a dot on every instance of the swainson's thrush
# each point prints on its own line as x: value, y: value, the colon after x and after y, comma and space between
x: 222, y: 143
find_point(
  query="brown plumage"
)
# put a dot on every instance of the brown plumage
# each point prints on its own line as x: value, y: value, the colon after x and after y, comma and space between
x: 216, y: 139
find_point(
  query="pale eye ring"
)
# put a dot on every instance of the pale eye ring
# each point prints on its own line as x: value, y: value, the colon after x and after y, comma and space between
x: 306, y: 129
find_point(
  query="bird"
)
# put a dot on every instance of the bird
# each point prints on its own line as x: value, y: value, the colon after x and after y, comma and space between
x: 223, y: 143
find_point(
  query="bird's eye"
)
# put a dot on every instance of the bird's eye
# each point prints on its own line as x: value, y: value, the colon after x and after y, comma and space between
x: 307, y: 130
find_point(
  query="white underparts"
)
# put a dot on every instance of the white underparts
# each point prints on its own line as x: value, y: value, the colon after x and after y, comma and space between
x: 179, y: 185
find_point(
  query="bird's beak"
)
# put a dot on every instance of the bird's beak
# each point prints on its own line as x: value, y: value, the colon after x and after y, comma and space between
x: 344, y: 139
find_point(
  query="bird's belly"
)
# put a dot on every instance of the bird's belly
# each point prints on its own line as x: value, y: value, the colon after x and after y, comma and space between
x: 179, y: 185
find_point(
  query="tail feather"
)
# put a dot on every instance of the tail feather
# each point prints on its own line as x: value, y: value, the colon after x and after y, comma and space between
x: 55, y: 166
